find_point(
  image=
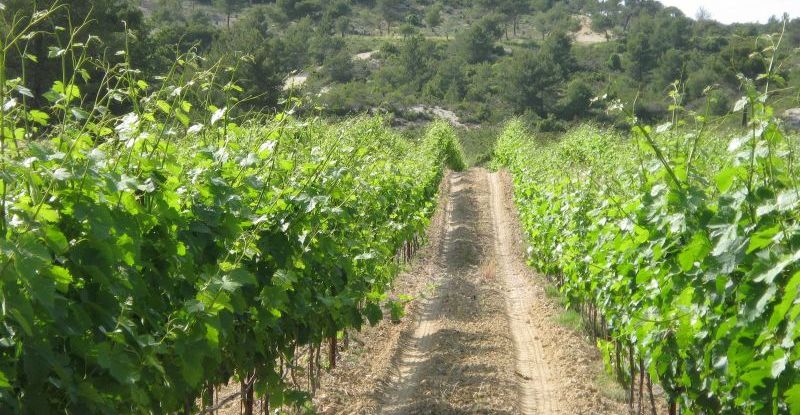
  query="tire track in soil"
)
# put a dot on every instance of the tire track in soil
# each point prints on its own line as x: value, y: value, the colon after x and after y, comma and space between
x: 365, y: 372
x: 537, y: 392
x: 458, y: 358
x: 481, y: 335
x: 559, y: 368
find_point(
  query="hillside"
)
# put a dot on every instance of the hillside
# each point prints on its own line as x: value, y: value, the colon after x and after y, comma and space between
x: 542, y: 60
x: 367, y: 19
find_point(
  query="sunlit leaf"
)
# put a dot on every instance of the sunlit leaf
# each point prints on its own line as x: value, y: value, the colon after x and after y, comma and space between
x: 726, y: 240
x: 695, y: 251
x: 763, y: 238
x: 38, y: 117
x: 4, y: 383
x: 218, y: 115
x: 792, y: 396
x: 769, y: 276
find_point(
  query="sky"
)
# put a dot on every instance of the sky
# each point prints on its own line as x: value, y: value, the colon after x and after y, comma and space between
x: 730, y: 11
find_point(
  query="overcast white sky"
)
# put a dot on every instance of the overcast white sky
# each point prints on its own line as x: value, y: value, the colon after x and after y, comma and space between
x: 729, y: 11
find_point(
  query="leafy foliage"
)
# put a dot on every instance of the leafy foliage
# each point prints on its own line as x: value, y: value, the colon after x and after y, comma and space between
x: 646, y: 48
x: 686, y: 244
x: 146, y: 256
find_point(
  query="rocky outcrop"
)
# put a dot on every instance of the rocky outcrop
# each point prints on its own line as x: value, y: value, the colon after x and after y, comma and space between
x: 792, y: 118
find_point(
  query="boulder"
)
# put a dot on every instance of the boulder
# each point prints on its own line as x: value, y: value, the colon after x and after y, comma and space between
x: 792, y: 118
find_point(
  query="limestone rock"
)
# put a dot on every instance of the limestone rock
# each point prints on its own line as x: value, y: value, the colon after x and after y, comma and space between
x: 792, y: 118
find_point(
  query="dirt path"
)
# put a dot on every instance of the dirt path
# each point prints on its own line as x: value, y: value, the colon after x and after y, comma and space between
x: 537, y: 390
x: 481, y: 336
x: 459, y: 358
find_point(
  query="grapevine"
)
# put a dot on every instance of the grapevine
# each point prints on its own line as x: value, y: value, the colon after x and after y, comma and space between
x: 145, y: 258
x: 680, y: 247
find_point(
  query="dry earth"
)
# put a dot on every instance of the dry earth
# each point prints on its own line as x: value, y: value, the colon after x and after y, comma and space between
x: 481, y: 336
x: 586, y: 34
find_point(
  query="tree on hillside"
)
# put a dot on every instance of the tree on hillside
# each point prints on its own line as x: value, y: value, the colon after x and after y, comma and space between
x: 670, y: 67
x: 104, y: 20
x: 793, y: 32
x: 433, y: 17
x: 528, y: 82
x: 197, y: 32
x: 407, y: 29
x: 295, y: 44
x: 260, y: 56
x: 296, y: 9
x: 449, y: 80
x: 557, y: 47
x: 605, y: 15
x: 702, y: 14
x: 390, y: 12
x: 338, y: 67
x: 343, y: 25
x: 671, y: 30
x: 576, y: 100
x: 602, y: 23
x: 168, y: 11
x: 477, y: 43
x: 415, y: 59
x: 339, y: 8
x: 509, y: 10
x: 639, y: 54
x: 559, y: 18
x: 542, y: 6
x: 512, y: 10
x: 229, y: 8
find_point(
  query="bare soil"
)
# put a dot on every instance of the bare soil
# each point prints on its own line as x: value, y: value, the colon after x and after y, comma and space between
x: 480, y: 336
x: 586, y: 35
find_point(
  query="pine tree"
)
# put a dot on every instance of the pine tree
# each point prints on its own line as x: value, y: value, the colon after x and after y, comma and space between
x: 229, y: 7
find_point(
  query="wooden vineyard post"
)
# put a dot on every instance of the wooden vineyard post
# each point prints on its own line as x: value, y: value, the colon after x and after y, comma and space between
x: 652, y: 398
x: 633, y: 375
x: 641, y: 385
x: 332, y: 351
x: 208, y: 398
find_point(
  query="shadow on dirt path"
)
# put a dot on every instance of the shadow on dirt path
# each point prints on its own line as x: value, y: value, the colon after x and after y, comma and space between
x: 481, y: 335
